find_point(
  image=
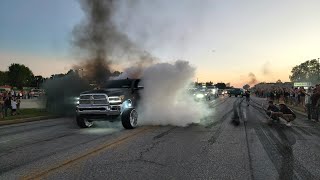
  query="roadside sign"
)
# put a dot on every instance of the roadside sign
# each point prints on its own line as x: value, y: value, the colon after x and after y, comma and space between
x: 302, y: 84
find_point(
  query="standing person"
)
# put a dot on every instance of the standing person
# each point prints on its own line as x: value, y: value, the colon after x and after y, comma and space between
x: 7, y: 104
x: 14, y: 106
x: 278, y: 95
x: 308, y: 103
x: 315, y: 103
x: 302, y: 95
x: 286, y: 96
x: 18, y: 105
x: 1, y: 107
x: 12, y: 93
x: 292, y: 98
x: 271, y: 95
x: 247, y: 94
x: 296, y: 96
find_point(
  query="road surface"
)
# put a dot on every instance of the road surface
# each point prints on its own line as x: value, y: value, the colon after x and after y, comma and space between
x: 217, y: 149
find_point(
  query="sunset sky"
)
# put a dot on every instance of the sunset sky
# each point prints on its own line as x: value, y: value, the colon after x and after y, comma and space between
x: 224, y: 39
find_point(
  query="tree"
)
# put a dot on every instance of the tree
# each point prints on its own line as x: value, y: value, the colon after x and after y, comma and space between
x: 19, y: 76
x: 37, y: 81
x: 307, y: 71
x: 3, y: 77
x: 209, y: 83
x: 221, y: 85
x: 246, y: 87
x: 279, y: 81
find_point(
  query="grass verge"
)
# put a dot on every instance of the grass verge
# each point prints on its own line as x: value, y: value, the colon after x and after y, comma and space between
x: 27, y: 113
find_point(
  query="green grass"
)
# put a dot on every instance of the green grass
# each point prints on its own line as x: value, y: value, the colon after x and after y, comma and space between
x: 27, y: 113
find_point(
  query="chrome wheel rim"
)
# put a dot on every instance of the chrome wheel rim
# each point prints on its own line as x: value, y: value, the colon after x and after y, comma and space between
x: 88, y: 123
x: 133, y: 118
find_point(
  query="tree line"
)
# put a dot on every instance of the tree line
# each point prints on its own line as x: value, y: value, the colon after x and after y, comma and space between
x: 19, y: 75
x: 308, y: 71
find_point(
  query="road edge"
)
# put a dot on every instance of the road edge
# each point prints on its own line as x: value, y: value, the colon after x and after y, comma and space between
x: 23, y: 120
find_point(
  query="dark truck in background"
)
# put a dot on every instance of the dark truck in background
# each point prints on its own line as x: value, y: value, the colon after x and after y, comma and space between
x: 115, y: 101
x: 235, y: 92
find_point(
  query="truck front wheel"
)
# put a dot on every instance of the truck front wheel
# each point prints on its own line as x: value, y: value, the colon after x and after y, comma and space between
x: 84, y: 122
x: 129, y: 118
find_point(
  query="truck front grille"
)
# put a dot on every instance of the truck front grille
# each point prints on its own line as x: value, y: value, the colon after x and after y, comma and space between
x: 94, y: 99
x: 92, y: 109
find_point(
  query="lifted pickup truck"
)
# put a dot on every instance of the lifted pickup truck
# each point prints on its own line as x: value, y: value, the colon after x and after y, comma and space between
x: 116, y: 101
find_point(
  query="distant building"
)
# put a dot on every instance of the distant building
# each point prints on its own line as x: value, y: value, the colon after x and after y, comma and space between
x: 6, y: 88
x: 273, y: 85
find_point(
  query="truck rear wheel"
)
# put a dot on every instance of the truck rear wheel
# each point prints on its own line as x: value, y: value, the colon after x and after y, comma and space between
x: 129, y: 118
x: 84, y: 122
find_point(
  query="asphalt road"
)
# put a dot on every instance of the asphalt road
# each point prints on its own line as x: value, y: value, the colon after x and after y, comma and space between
x: 216, y: 149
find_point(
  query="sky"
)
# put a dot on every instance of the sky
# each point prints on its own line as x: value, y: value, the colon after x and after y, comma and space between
x: 224, y: 39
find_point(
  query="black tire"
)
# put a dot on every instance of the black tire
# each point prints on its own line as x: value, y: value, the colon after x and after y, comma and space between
x: 236, y: 95
x: 126, y: 116
x: 83, y: 123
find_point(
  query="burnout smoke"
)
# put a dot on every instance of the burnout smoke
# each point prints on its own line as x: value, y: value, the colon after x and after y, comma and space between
x: 60, y: 92
x: 253, y: 79
x: 101, y: 44
x: 165, y: 100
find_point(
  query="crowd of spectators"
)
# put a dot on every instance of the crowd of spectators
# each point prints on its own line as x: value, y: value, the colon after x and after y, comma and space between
x: 307, y: 99
x: 9, y: 103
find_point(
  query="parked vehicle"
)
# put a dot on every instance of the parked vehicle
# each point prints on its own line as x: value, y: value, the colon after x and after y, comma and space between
x: 235, y: 92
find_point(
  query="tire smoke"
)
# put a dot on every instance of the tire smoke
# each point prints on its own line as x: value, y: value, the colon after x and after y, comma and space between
x: 165, y: 100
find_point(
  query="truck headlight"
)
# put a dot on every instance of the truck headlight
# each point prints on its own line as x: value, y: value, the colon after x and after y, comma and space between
x: 200, y: 96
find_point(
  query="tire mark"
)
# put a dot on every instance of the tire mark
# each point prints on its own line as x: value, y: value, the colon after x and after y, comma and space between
x: 245, y: 121
x: 30, y: 129
x: 40, y: 174
x: 217, y: 133
x: 7, y: 169
x: 37, y: 142
x: 163, y: 133
x: 281, y: 154
x: 219, y: 103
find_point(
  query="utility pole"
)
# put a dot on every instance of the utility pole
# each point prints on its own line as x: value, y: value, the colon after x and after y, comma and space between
x: 318, y: 70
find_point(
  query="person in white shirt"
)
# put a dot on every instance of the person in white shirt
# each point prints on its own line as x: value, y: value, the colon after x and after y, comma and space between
x: 14, y: 106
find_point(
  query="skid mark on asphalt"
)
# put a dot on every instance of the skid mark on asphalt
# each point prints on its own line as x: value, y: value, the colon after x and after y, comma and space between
x: 31, y: 129
x: 90, y: 153
x: 280, y: 153
x: 62, y: 135
x: 214, y: 123
x: 221, y: 123
x: 219, y: 103
x: 4, y: 169
x: 163, y: 133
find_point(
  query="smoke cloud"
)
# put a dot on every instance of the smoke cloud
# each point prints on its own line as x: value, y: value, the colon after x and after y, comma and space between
x: 100, y: 43
x: 60, y: 92
x: 165, y: 100
x: 252, y: 79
